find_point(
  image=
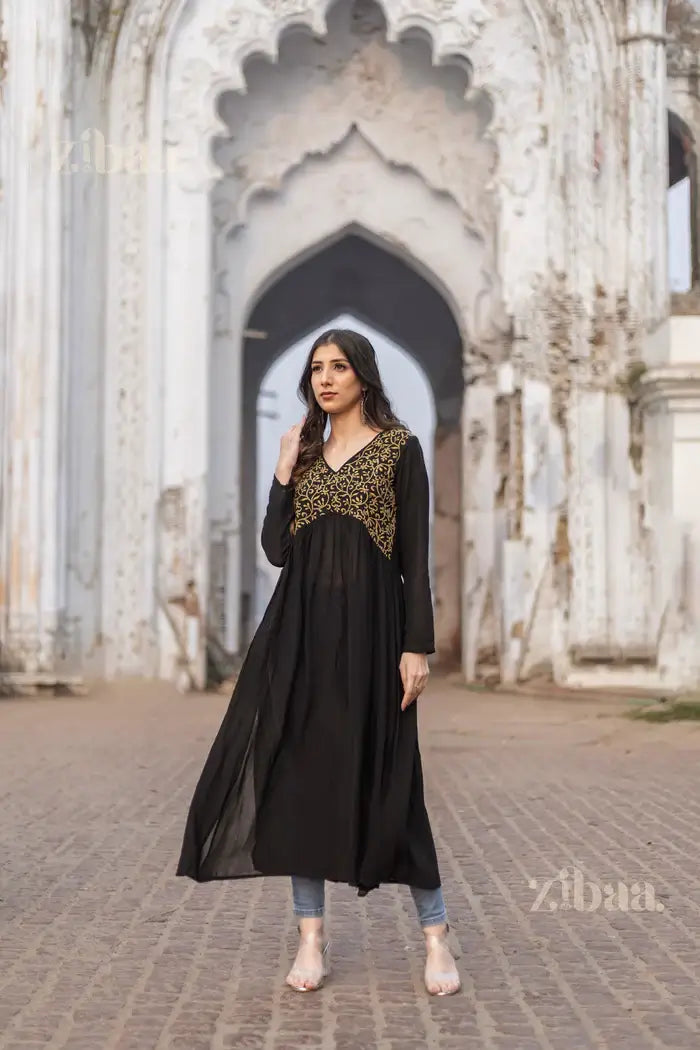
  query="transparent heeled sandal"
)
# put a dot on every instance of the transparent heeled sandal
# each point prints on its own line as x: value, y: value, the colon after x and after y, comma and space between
x: 306, y: 978
x: 433, y: 976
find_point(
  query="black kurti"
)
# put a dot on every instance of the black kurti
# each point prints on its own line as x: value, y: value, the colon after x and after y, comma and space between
x: 315, y: 770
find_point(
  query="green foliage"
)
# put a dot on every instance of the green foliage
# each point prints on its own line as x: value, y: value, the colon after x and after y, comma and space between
x: 678, y: 711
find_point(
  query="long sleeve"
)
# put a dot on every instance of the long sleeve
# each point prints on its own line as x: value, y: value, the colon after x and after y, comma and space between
x: 412, y: 537
x: 275, y: 536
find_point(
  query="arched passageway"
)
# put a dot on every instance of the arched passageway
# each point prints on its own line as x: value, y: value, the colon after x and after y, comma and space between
x: 356, y: 275
x: 407, y: 387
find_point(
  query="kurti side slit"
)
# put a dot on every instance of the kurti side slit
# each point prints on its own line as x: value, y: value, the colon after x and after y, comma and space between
x: 315, y: 770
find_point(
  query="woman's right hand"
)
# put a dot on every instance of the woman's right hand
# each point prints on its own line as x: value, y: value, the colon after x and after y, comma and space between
x: 289, y: 451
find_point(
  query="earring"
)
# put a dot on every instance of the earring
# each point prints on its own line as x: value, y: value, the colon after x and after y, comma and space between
x: 363, y: 416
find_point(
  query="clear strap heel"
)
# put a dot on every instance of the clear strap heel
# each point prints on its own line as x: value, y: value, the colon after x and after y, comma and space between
x: 442, y: 982
x: 307, y: 978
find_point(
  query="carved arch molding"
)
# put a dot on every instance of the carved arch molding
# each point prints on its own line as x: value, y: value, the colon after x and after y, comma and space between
x: 171, y: 61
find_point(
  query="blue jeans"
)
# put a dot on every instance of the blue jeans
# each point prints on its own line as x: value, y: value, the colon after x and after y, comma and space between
x: 310, y: 897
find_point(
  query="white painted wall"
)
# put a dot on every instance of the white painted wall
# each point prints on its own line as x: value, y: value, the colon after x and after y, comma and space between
x: 109, y: 292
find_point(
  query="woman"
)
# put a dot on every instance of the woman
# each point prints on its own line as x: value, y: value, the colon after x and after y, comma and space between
x: 315, y: 772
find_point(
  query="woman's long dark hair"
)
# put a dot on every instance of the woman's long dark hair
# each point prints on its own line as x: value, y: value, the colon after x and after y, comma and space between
x: 378, y: 411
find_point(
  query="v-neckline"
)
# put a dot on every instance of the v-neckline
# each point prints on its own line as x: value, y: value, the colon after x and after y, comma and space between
x: 350, y: 458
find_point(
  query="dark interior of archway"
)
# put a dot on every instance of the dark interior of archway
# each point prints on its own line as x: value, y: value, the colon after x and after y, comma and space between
x: 678, y: 148
x: 355, y: 276
x: 682, y: 163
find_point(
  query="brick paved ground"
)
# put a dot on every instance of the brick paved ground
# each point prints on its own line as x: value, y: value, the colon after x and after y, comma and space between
x: 102, y: 948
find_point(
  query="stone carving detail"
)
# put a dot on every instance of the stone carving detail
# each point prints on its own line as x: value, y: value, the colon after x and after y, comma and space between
x: 126, y: 501
x: 349, y: 181
x: 519, y: 56
x: 683, y: 28
x: 206, y: 60
x: 409, y: 126
x: 511, y: 149
x: 215, y: 50
x: 93, y: 19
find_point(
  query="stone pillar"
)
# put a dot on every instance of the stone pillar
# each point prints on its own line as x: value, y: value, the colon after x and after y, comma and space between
x: 186, y: 384
x: 480, y: 635
x: 673, y: 393
x: 588, y: 625
x: 33, y: 130
x: 669, y: 401
x: 643, y: 44
x: 447, y: 473
x: 609, y: 596
x: 249, y: 518
x: 86, y: 177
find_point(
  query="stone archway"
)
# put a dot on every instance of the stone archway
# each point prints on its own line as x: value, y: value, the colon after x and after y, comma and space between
x: 536, y: 306
x: 281, y: 199
x: 285, y: 229
x: 354, y: 274
x: 161, y: 292
x: 558, y: 506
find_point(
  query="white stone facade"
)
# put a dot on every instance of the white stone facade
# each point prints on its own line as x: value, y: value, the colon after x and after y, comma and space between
x: 170, y: 166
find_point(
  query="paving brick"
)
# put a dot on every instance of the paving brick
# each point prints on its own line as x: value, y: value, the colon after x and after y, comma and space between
x: 102, y: 948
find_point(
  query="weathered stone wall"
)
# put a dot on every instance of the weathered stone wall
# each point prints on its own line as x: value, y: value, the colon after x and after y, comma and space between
x: 512, y: 151
x: 34, y: 69
x: 385, y: 144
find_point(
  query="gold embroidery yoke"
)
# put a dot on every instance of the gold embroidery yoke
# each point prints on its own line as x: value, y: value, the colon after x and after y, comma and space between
x: 362, y: 487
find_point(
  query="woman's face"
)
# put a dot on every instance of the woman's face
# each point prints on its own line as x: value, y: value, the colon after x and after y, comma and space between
x: 334, y: 382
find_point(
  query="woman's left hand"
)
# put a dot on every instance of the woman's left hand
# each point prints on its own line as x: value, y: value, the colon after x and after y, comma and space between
x: 414, y: 676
